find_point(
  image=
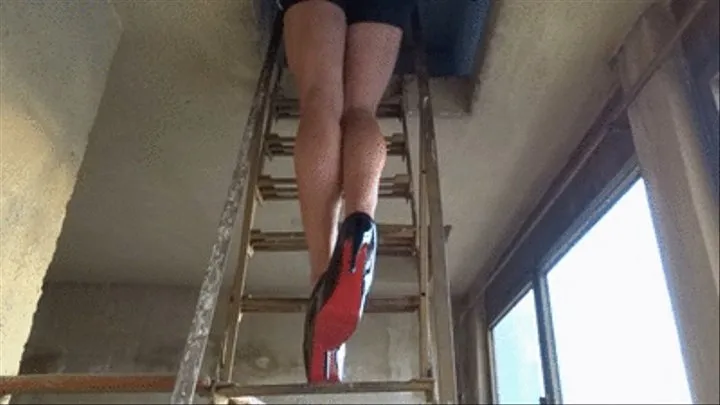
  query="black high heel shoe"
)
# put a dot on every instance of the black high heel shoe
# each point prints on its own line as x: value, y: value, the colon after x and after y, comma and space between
x: 338, y: 299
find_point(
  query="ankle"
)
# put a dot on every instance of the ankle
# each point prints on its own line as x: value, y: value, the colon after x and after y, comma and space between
x: 360, y: 209
x: 314, y: 277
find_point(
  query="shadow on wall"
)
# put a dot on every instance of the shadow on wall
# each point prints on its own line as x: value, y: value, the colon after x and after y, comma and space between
x: 54, y: 58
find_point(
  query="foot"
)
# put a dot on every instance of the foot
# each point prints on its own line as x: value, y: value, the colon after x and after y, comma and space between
x: 338, y: 299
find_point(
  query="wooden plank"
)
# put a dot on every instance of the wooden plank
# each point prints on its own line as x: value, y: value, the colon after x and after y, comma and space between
x: 285, y: 145
x: 93, y: 383
x: 287, y: 305
x: 285, y: 188
x: 442, y: 332
x: 424, y: 345
x: 417, y: 385
x: 234, y: 314
x: 388, y: 108
x: 394, y: 240
x: 684, y: 212
x: 87, y: 383
x: 402, y: 140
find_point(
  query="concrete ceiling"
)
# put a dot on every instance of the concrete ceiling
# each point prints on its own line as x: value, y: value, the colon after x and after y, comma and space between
x: 163, y: 146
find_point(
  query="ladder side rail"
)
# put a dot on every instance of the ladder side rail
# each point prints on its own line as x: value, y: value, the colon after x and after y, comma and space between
x: 156, y: 383
x: 235, y: 313
x: 440, y: 286
x: 196, y: 343
x: 407, y: 155
x: 425, y: 365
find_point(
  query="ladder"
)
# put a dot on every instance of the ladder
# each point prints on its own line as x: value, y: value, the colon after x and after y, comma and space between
x: 423, y: 241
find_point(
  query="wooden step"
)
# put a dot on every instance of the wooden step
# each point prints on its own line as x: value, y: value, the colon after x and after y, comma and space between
x: 394, y: 240
x: 87, y: 383
x: 390, y: 107
x: 252, y: 303
x: 285, y: 188
x: 359, y: 387
x: 276, y: 145
x: 135, y: 383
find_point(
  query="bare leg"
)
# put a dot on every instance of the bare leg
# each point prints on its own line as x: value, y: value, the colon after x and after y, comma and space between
x: 369, y: 61
x: 336, y: 304
x: 315, y: 43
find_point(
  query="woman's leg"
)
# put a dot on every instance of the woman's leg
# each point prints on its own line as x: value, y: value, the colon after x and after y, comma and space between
x: 315, y: 44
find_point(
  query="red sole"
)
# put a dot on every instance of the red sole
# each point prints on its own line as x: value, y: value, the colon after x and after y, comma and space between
x: 339, y: 316
x: 320, y: 367
x: 317, y: 365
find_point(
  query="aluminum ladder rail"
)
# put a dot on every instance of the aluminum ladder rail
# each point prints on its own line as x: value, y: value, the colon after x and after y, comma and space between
x: 423, y: 240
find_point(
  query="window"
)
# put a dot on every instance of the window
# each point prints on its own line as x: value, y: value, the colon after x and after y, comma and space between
x: 613, y: 337
x: 598, y: 325
x: 516, y: 354
x: 615, y: 334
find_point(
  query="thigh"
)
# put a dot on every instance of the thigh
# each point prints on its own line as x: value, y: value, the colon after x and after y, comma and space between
x: 314, y: 32
x: 370, y: 55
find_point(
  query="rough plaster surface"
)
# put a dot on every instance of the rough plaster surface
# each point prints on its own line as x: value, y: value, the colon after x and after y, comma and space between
x: 161, y: 154
x: 126, y: 328
x: 545, y: 78
x: 54, y: 59
x: 680, y: 197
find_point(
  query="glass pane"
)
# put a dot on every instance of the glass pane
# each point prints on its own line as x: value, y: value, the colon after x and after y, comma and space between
x: 614, y: 327
x: 518, y: 371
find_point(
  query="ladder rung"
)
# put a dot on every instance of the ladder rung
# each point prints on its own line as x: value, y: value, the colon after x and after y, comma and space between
x: 284, y: 305
x: 118, y: 383
x: 364, y: 387
x: 87, y: 383
x: 285, y: 188
x: 394, y: 240
x: 285, y: 145
x: 390, y: 107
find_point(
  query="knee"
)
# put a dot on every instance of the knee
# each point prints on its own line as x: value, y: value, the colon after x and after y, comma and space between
x: 358, y: 117
x: 320, y: 105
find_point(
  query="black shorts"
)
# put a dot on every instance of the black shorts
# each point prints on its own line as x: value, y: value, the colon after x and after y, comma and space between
x: 392, y: 12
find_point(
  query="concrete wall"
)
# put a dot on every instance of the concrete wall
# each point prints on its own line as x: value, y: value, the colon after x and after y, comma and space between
x: 54, y: 58
x: 472, y: 362
x: 684, y: 210
x: 132, y: 328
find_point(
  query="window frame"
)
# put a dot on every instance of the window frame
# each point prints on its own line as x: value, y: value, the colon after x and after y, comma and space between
x: 594, y: 187
x: 700, y: 43
x: 597, y: 183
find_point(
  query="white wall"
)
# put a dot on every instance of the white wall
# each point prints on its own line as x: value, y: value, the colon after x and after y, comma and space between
x: 54, y: 60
